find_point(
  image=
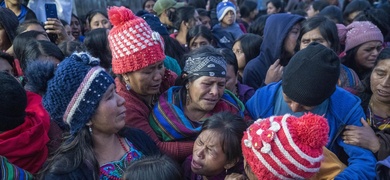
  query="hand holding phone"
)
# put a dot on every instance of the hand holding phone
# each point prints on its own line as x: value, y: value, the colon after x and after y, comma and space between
x: 51, y: 12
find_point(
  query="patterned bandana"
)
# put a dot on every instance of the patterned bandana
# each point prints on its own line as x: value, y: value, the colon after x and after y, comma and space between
x: 213, y: 66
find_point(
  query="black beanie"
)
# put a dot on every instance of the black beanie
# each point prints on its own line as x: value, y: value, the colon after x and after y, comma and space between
x: 311, y: 75
x: 13, y: 102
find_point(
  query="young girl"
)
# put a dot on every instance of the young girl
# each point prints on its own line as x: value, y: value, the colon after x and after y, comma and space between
x: 216, y: 154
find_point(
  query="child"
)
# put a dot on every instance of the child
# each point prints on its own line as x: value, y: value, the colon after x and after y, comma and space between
x: 285, y: 147
x: 227, y: 31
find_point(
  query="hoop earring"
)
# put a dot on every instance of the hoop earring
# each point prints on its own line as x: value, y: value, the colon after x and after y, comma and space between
x: 128, y: 87
x: 90, y: 129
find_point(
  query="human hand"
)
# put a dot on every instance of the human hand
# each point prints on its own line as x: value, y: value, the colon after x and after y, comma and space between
x: 235, y: 176
x: 361, y: 136
x: 54, y: 26
x: 274, y: 73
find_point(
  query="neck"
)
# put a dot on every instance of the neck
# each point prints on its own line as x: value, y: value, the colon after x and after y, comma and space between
x: 106, y: 147
x: 379, y: 108
x: 225, y: 25
x: 194, y: 114
x: 181, y: 36
x: 13, y: 7
x: 147, y: 99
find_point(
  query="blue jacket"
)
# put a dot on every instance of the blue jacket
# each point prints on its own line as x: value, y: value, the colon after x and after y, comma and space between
x: 276, y: 30
x: 343, y: 109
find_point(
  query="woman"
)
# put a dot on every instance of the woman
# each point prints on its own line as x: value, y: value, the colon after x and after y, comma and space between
x: 242, y: 91
x: 199, y: 36
x: 141, y: 75
x: 180, y: 111
x: 75, y: 24
x: 280, y: 37
x: 324, y: 31
x: 215, y: 154
x: 97, y: 145
x: 24, y: 126
x: 248, y: 11
x: 363, y: 43
x: 96, y: 43
x: 148, y: 6
x: 97, y: 19
x: 246, y: 48
x: 375, y: 133
x: 275, y: 6
x: 183, y: 19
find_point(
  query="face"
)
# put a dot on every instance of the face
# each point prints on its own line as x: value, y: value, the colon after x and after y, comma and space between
x: 291, y: 40
x: 5, y: 66
x: 239, y: 55
x: 194, y: 21
x: 208, y: 158
x: 311, y: 12
x: 149, y: 6
x: 146, y: 81
x: 253, y: 14
x: 313, y: 36
x: 205, y: 20
x: 5, y: 43
x: 68, y: 30
x: 76, y: 28
x: 380, y: 81
x: 271, y: 9
x: 110, y: 115
x: 198, y: 42
x: 367, y: 53
x: 205, y: 92
x: 229, y: 18
x: 99, y: 21
x: 295, y: 106
x: 231, y: 79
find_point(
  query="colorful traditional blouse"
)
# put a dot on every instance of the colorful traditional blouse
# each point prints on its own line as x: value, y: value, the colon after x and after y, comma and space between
x: 11, y: 171
x: 171, y: 124
x: 114, y: 170
x: 377, y: 122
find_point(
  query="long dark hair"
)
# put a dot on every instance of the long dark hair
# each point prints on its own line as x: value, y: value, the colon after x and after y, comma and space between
x: 250, y: 45
x: 75, y: 150
x: 181, y: 14
x: 96, y: 42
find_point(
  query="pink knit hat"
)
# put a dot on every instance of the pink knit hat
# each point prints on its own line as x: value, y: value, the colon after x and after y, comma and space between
x: 360, y: 32
x: 285, y: 147
x: 133, y: 44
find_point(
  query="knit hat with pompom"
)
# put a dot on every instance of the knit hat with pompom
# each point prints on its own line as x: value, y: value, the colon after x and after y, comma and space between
x: 133, y: 44
x: 285, y: 147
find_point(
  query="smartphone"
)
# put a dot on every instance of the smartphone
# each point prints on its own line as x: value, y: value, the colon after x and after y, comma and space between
x: 51, y: 12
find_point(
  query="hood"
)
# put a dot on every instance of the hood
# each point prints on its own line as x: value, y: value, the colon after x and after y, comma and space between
x: 276, y: 30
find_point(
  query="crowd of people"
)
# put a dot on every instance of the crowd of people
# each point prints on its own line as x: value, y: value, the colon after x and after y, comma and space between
x: 200, y: 89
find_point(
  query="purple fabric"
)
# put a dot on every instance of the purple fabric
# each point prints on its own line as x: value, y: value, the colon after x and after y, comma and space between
x: 244, y: 92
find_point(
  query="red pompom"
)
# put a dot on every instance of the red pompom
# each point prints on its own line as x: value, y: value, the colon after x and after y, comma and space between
x: 119, y: 15
x: 311, y: 130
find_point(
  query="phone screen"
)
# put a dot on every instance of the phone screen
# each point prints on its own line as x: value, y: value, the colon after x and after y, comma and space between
x: 51, y: 10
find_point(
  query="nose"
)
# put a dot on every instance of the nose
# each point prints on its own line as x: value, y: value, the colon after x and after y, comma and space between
x: 296, y: 107
x: 199, y: 152
x: 157, y: 75
x: 100, y: 25
x: 121, y: 100
x: 214, y: 90
x: 386, y: 81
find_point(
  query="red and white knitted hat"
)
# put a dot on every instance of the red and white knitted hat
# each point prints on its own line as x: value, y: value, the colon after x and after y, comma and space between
x: 133, y: 44
x: 285, y: 147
